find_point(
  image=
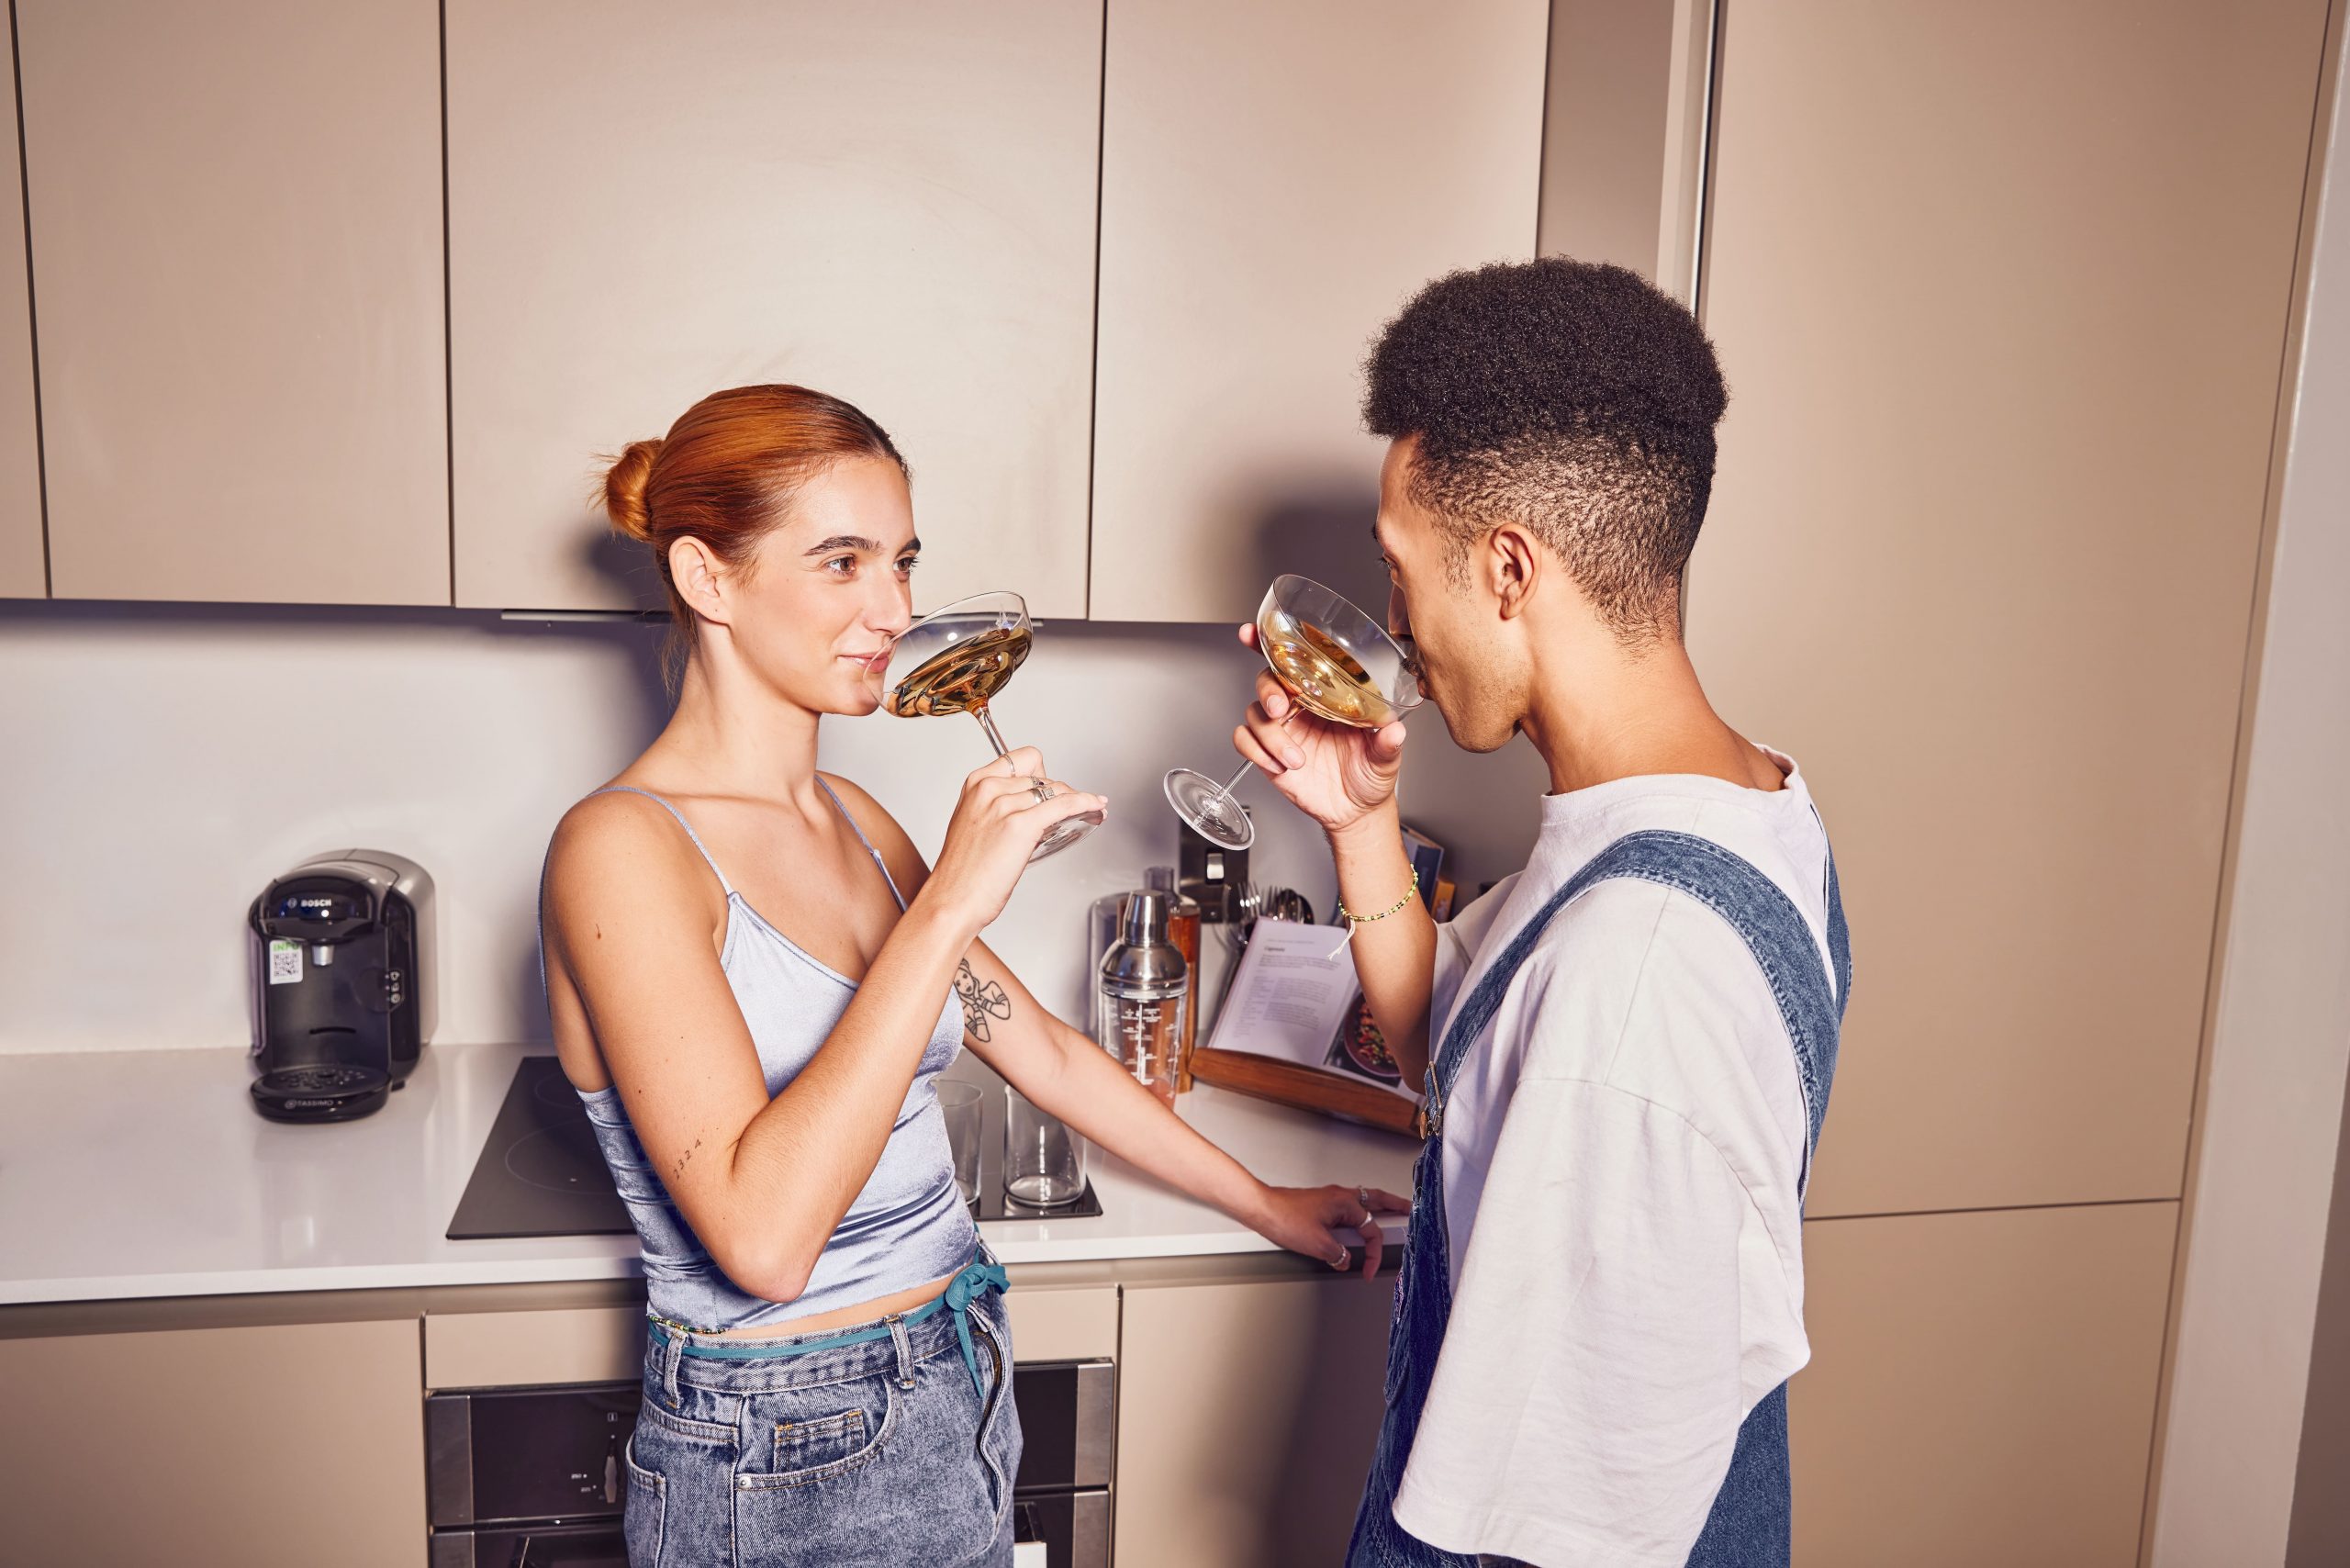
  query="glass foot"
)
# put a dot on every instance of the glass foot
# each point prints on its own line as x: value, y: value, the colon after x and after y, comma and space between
x: 1063, y: 834
x: 1209, y: 808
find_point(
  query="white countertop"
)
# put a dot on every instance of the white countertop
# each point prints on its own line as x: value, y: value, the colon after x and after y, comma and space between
x: 148, y: 1173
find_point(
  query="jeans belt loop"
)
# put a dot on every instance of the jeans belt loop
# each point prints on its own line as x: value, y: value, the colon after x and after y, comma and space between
x: 673, y: 1351
x: 905, y: 1347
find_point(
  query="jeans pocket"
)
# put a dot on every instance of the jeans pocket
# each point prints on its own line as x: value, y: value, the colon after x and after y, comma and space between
x: 817, y: 1434
x: 641, y: 1520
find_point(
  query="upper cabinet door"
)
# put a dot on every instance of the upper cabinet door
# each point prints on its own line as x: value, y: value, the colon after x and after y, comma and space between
x: 24, y: 572
x: 1276, y: 181
x: 236, y: 228
x: 893, y: 204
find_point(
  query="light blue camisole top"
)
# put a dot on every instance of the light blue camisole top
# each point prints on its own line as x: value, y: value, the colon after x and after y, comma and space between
x: 907, y: 1227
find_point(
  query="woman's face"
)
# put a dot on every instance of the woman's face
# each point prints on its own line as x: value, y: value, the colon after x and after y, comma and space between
x: 828, y: 589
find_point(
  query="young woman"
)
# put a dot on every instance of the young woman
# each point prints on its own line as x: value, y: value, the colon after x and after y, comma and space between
x: 755, y: 981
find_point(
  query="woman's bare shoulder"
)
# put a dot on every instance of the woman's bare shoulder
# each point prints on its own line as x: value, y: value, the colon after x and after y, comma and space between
x: 620, y: 844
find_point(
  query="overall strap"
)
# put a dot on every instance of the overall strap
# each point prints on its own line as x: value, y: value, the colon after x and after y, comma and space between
x: 632, y: 790
x: 867, y: 842
x: 1764, y: 918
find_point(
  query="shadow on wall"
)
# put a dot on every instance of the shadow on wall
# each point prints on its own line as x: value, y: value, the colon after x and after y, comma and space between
x: 1320, y: 529
x: 625, y: 563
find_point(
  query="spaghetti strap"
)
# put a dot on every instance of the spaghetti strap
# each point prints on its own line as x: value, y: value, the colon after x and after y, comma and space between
x: 632, y: 790
x: 861, y: 839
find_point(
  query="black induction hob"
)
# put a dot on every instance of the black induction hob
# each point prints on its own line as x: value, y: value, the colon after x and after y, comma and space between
x: 541, y: 1174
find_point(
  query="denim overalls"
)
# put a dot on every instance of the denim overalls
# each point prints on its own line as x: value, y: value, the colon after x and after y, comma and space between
x: 1749, y: 1526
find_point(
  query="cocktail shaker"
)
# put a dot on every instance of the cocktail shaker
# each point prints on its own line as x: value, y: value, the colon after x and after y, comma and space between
x: 1146, y: 990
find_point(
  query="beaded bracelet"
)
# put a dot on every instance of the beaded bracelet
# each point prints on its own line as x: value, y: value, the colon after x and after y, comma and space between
x: 1353, y: 919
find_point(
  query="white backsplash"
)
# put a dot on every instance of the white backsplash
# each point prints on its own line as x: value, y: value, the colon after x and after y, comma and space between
x: 159, y: 764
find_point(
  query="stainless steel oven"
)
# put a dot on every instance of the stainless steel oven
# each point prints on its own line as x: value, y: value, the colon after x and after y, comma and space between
x: 532, y: 1477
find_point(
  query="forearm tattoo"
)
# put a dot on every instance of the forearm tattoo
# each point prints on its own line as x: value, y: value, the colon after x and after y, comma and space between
x: 980, y: 1002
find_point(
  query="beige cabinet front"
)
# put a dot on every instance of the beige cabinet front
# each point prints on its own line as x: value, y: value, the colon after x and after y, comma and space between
x: 1247, y: 1416
x: 2002, y: 291
x: 24, y: 571
x: 1982, y: 1387
x: 891, y: 204
x: 215, y: 1447
x: 1275, y: 180
x: 235, y: 211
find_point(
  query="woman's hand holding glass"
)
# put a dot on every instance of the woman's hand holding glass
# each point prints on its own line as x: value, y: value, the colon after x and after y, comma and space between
x: 998, y: 822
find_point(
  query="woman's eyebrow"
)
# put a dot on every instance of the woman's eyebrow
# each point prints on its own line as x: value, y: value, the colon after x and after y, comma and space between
x: 842, y: 541
x: 857, y: 542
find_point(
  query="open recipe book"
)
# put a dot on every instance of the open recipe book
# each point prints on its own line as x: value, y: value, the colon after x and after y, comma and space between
x: 1294, y: 1028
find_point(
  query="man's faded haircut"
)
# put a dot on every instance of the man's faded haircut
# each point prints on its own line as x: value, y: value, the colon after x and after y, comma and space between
x: 1572, y: 398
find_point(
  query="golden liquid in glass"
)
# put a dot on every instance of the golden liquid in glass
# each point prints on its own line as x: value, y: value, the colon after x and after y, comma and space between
x: 959, y: 678
x: 1325, y: 677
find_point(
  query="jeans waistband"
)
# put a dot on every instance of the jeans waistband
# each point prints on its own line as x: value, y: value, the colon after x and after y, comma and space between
x: 979, y: 1276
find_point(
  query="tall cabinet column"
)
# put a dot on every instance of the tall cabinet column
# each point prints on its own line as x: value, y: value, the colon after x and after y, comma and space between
x: 24, y: 570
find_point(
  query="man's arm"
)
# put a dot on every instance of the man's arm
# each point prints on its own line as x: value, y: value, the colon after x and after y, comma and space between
x: 1345, y: 779
x: 1394, y: 955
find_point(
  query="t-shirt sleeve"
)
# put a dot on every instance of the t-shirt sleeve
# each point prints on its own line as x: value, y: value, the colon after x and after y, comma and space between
x: 1456, y: 943
x: 1593, y: 1372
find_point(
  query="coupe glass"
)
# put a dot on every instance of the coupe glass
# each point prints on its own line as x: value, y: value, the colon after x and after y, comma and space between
x: 1338, y: 662
x: 955, y: 660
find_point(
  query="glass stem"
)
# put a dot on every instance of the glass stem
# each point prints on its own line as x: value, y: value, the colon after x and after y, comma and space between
x: 1042, y: 791
x: 987, y: 723
x: 1246, y: 767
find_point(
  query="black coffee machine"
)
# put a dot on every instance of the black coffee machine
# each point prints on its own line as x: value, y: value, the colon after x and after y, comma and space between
x: 343, y: 981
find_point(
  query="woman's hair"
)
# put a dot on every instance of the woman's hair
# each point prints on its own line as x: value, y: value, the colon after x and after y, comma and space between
x: 725, y: 474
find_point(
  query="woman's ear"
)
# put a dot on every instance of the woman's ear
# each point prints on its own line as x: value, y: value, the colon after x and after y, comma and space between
x: 1513, y: 566
x: 701, y: 579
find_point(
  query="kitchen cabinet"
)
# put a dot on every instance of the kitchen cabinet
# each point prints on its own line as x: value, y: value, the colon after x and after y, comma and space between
x: 2001, y: 292
x: 894, y: 205
x: 196, y: 1447
x: 1982, y: 1387
x: 1247, y: 1411
x: 1275, y: 181
x: 24, y: 567
x: 235, y: 212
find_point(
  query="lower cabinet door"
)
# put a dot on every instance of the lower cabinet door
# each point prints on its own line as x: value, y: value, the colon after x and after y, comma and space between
x: 288, y: 1443
x: 1982, y: 1387
x: 1247, y: 1417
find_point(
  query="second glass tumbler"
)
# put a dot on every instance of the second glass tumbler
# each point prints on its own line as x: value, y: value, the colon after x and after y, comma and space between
x: 1044, y: 1158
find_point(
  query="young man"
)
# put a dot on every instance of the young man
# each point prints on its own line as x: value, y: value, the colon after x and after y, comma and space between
x: 1627, y: 1045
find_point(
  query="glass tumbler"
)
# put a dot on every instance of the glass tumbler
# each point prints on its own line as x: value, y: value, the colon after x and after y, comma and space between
x: 963, y: 1108
x: 1044, y: 1160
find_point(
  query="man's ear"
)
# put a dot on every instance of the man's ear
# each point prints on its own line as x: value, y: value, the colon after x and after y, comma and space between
x: 1513, y: 566
x: 701, y: 579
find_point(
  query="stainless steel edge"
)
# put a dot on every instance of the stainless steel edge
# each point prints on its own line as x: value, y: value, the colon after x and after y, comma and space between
x: 449, y: 1460
x: 1097, y: 1385
x: 1088, y: 1532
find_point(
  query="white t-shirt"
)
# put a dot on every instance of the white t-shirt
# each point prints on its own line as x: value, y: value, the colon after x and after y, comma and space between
x: 1620, y: 1157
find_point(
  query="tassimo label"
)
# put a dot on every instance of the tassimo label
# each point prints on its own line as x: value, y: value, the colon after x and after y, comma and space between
x: 285, y: 961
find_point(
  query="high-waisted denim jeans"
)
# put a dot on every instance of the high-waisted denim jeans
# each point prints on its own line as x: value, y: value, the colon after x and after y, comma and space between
x: 889, y: 1451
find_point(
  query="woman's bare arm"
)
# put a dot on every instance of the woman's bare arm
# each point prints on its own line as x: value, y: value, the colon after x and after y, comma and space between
x: 1068, y: 1076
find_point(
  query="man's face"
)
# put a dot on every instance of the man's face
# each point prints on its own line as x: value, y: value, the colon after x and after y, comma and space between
x: 1470, y: 667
